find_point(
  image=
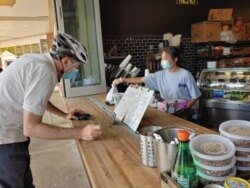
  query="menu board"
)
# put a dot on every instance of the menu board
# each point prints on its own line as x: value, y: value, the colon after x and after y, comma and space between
x: 133, y: 105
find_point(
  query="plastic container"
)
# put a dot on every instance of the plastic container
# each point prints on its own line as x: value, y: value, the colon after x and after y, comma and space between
x: 238, y: 131
x: 239, y: 143
x: 242, y: 152
x: 239, y: 168
x: 234, y: 182
x: 211, y: 64
x: 216, y: 171
x: 212, y: 150
x: 172, y: 106
x: 243, y: 162
x: 117, y: 97
x: 213, y: 186
x: 214, y: 163
x: 206, y: 179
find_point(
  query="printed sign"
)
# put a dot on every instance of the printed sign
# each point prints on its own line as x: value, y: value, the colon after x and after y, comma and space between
x: 133, y: 105
x: 187, y: 2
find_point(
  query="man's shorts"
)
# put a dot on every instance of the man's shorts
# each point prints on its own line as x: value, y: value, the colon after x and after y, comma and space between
x: 15, y: 166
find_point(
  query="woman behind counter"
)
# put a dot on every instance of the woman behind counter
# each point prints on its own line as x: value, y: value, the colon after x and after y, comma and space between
x: 173, y: 82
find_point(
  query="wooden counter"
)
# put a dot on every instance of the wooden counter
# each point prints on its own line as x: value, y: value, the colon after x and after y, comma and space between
x: 114, y: 160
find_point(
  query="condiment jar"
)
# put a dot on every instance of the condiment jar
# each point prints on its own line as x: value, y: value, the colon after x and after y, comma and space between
x: 234, y: 182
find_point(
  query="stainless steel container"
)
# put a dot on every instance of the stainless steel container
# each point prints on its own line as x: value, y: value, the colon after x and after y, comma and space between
x: 148, y: 145
x: 166, y: 151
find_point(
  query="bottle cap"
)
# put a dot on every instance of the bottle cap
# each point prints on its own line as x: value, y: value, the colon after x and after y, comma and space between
x: 183, y: 135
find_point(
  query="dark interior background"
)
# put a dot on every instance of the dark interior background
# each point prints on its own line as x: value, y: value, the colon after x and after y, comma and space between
x: 137, y: 17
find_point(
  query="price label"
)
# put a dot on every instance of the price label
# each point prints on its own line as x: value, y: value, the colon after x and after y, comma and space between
x: 218, y: 94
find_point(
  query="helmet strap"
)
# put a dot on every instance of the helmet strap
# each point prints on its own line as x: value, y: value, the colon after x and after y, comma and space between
x: 67, y: 68
x: 59, y: 59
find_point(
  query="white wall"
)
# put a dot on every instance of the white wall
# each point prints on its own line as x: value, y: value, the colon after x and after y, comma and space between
x: 26, y: 8
x: 27, y: 18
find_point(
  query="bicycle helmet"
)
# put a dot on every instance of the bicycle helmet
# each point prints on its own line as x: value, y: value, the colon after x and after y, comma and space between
x: 64, y: 44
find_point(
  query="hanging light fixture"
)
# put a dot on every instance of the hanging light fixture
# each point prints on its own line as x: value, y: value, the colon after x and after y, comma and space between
x: 7, y: 2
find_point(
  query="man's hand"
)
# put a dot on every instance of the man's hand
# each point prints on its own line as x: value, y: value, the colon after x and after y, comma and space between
x: 91, y: 132
x: 118, y: 81
x: 71, y: 113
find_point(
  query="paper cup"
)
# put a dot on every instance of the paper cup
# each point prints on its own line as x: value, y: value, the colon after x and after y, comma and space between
x: 146, y: 72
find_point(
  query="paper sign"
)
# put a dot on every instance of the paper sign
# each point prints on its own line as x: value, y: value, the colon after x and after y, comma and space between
x: 133, y: 105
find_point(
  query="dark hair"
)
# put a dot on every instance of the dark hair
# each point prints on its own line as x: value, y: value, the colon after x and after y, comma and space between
x: 173, y: 52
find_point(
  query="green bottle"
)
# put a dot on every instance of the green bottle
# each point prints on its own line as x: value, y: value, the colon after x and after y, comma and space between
x: 184, y: 171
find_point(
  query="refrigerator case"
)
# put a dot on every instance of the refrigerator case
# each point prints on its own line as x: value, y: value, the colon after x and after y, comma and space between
x: 225, y: 95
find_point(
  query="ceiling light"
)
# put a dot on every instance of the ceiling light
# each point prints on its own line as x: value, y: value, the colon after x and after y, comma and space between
x: 7, y: 2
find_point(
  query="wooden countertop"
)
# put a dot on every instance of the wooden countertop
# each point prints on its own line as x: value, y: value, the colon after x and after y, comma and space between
x: 114, y: 160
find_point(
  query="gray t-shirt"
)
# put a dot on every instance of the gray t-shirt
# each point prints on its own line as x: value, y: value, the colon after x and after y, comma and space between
x: 25, y: 84
x: 173, y: 85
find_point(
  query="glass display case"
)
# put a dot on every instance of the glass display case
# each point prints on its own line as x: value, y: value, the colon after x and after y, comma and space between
x: 225, y: 95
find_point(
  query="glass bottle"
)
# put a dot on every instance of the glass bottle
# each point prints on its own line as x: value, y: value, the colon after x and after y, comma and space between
x: 184, y: 171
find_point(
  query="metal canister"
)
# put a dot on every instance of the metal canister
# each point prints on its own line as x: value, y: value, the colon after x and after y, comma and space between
x: 148, y: 145
x: 166, y: 150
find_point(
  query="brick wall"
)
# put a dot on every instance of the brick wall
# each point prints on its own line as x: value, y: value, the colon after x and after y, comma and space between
x: 138, y: 47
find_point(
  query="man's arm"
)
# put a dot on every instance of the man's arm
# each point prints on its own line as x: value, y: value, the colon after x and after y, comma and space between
x: 53, y: 109
x: 33, y: 127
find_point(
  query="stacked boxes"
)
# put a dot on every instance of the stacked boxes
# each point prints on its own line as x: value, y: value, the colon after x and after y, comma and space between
x: 248, y: 30
x: 210, y: 30
x: 221, y: 15
x: 205, y: 31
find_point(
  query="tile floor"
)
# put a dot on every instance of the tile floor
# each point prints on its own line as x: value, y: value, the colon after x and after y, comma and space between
x: 57, y: 163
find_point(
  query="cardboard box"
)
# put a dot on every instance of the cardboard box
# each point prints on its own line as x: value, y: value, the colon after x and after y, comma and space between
x: 220, y: 15
x: 172, y: 106
x: 248, y: 30
x: 226, y: 25
x: 205, y: 31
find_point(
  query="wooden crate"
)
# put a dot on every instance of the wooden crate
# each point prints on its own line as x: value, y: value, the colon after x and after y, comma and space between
x: 205, y: 31
x: 167, y: 181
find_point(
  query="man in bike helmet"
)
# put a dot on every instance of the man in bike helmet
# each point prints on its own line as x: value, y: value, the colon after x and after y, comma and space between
x: 26, y: 87
x: 69, y: 52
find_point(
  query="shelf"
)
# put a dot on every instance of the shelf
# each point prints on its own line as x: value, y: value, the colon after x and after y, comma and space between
x: 222, y: 57
x: 213, y: 51
x: 223, y: 43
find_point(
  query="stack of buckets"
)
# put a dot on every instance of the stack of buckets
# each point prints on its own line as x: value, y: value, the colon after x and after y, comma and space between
x: 213, y: 157
x: 238, y: 131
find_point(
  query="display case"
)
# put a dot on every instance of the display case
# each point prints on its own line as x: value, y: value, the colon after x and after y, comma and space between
x: 225, y: 95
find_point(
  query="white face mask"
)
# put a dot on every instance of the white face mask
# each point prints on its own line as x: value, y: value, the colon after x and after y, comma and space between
x: 165, y: 64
